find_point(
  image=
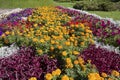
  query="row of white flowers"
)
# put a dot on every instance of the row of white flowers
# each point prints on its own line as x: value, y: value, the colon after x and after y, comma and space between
x: 7, y: 51
x: 8, y: 12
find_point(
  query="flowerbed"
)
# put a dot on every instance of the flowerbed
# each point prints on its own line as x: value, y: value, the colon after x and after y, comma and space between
x: 49, y: 43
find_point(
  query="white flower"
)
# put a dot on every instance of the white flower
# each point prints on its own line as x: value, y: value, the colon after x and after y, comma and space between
x: 108, y: 47
x: 5, y: 13
x: 7, y: 51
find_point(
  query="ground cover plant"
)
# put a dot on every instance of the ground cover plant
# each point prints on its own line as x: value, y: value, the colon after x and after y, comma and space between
x: 57, y: 43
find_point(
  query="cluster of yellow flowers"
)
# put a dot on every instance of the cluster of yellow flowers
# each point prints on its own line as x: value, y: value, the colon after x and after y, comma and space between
x: 95, y: 76
x: 48, y: 16
x: 55, y: 73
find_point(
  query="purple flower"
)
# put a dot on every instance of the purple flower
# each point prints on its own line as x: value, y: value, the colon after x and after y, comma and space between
x: 25, y: 64
x: 105, y: 60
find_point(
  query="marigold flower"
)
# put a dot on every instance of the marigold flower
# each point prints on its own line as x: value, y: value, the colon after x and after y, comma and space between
x: 104, y: 75
x: 51, y: 48
x: 7, y: 32
x: 110, y: 79
x: 64, y: 53
x: 39, y: 51
x: 33, y: 78
x: 76, y: 62
x: 67, y: 43
x: 58, y: 72
x: 48, y: 76
x: 94, y: 76
x: 35, y: 40
x: 81, y: 60
x: 75, y: 52
x: 68, y: 60
x: 54, y: 73
x: 115, y: 73
x: 59, y: 47
x: 65, y: 77
x: 42, y: 40
x: 35, y: 25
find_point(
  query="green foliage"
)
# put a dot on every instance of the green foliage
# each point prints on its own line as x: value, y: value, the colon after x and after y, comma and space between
x: 107, y: 6
x: 86, y: 5
x: 97, y: 6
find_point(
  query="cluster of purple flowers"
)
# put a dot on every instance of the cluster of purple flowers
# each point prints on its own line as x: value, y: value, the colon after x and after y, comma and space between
x: 13, y: 18
x: 25, y: 64
x: 105, y: 60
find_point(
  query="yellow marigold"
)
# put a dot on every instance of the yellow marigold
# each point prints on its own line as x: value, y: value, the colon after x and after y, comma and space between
x: 42, y: 40
x: 35, y: 40
x: 89, y: 31
x: 59, y: 47
x: 54, y: 73
x: 68, y: 60
x: 94, y: 76
x: 67, y: 43
x: 115, y: 73
x: 75, y: 52
x: 104, y: 75
x: 33, y: 78
x: 82, y: 33
x: 51, y: 48
x: 52, y: 42
x: 70, y: 65
x: 82, y: 25
x: 82, y: 43
x: 64, y: 53
x: 39, y: 51
x: 58, y: 72
x: 35, y: 25
x: 7, y: 32
x: 110, y: 79
x: 48, y: 76
x: 65, y: 77
x: 81, y: 60
x: 12, y: 33
x: 76, y: 62
x: 91, y: 41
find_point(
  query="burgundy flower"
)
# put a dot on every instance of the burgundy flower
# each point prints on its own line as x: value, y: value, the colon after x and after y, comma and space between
x: 104, y: 60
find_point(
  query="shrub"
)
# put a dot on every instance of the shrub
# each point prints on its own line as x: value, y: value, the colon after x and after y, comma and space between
x: 117, y: 5
x: 93, y: 5
x: 85, y: 5
x: 107, y: 6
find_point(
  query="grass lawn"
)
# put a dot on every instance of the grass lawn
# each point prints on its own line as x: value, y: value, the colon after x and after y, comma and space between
x: 114, y: 14
x: 32, y: 3
x: 25, y: 3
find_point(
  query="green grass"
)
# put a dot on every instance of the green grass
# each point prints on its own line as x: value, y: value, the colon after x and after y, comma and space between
x: 114, y: 14
x: 25, y: 3
x: 65, y: 4
x: 32, y: 3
